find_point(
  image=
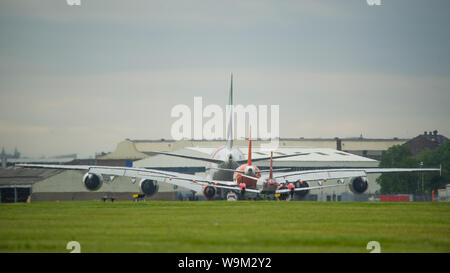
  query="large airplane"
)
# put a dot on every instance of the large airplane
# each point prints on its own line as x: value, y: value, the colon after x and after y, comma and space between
x: 232, y: 175
x: 226, y: 157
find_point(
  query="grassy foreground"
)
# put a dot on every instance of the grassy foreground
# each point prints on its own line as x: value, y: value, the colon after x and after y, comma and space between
x: 220, y: 226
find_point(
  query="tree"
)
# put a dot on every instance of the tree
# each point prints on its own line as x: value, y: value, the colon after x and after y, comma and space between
x: 399, y: 156
x: 432, y: 159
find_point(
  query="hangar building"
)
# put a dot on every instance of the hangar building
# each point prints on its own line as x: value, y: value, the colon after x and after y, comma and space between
x: 17, y: 184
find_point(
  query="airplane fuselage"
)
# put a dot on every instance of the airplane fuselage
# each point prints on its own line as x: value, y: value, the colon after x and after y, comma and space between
x: 229, y: 158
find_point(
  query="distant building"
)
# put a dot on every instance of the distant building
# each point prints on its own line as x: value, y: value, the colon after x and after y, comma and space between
x: 16, y: 154
x: 16, y: 184
x: 70, y: 159
x: 19, y: 185
x: 429, y: 141
x: 369, y: 147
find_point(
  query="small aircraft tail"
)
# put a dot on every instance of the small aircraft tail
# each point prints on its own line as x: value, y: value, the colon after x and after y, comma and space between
x: 271, y: 166
x: 249, y: 160
x: 230, y: 121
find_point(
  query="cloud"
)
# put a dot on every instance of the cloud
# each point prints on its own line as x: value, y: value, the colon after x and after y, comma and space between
x: 81, y: 79
x: 172, y: 13
x: 93, y: 112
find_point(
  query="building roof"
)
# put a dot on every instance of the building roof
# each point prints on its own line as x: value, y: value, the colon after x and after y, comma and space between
x: 42, y: 160
x: 124, y: 150
x: 429, y: 141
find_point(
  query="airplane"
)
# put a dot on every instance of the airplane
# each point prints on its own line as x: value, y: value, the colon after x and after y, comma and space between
x: 232, y: 175
x: 226, y: 157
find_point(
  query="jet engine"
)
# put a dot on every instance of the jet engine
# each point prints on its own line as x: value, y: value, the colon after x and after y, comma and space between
x: 92, y: 181
x: 148, y: 187
x: 358, y: 184
x: 209, y: 192
x: 300, y: 195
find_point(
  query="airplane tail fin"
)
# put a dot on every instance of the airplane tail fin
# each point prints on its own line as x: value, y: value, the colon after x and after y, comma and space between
x: 249, y: 160
x: 271, y: 166
x: 230, y: 121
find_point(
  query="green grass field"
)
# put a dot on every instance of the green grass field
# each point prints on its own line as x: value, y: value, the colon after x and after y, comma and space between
x: 220, y: 226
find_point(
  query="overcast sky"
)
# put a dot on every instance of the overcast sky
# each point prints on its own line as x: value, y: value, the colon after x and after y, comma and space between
x: 81, y: 79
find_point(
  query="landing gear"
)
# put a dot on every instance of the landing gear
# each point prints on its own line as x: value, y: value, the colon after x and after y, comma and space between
x: 193, y: 197
x: 242, y: 194
x: 291, y: 196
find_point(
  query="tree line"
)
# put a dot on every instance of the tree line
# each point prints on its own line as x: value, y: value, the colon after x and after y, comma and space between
x: 400, y: 156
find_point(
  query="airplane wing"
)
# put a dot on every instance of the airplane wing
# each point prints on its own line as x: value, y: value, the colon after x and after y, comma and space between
x: 309, y: 175
x: 308, y: 188
x: 268, y: 158
x: 242, y: 172
x: 323, y: 175
x: 401, y: 170
x: 191, y: 182
x: 211, y: 160
x: 217, y: 161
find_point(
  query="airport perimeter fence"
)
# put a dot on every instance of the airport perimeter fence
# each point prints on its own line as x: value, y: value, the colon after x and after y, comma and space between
x: 376, y: 197
x: 417, y: 197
